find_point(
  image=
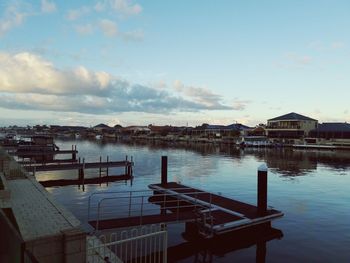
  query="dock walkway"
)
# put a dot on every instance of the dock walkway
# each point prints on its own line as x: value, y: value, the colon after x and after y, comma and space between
x: 75, y: 166
x: 36, y: 228
x: 179, y: 203
x: 224, y: 213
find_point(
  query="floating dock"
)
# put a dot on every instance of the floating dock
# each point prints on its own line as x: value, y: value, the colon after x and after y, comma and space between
x: 217, y: 214
x: 76, y: 166
x: 211, y: 214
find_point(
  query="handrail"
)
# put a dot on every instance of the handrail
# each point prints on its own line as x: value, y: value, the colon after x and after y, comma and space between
x: 138, y: 191
x: 196, y: 203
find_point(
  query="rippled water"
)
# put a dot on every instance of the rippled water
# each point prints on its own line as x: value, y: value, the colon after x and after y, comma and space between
x: 312, y: 188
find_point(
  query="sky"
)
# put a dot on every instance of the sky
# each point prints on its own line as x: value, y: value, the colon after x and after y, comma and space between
x: 183, y: 62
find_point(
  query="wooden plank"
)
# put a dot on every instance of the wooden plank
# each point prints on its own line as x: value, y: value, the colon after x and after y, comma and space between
x: 94, y: 180
x: 74, y: 166
x: 247, y: 210
x: 40, y: 153
x: 144, y: 220
x: 57, y: 161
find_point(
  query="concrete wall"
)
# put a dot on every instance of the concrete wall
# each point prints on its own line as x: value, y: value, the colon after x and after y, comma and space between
x: 10, y: 240
x: 70, y: 247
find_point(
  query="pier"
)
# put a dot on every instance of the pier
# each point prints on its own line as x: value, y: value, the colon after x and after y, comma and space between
x: 32, y: 224
x: 104, y: 175
x: 170, y: 202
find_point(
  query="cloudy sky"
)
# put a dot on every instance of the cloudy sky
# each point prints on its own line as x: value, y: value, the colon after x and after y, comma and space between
x: 173, y: 62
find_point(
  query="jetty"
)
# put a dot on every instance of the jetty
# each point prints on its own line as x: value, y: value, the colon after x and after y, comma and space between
x: 33, y: 224
x: 38, y: 155
x: 34, y: 227
x: 104, y: 175
x: 170, y: 202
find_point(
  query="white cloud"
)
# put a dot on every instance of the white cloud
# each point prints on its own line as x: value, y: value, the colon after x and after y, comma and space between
x: 200, y: 95
x: 47, y: 6
x: 84, y: 29
x: 136, y: 35
x: 299, y: 59
x: 75, y: 14
x: 124, y: 7
x: 13, y: 17
x: 108, y: 27
x: 240, y: 104
x: 26, y: 72
x: 337, y: 45
x: 292, y: 60
x: 29, y: 82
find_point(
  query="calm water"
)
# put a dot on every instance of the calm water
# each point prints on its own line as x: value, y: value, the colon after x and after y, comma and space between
x: 311, y: 188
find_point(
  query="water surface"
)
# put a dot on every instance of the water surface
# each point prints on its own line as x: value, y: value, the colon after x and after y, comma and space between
x: 312, y: 188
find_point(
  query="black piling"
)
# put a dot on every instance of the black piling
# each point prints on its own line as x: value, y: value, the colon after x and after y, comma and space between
x: 81, y: 173
x: 164, y: 170
x: 131, y: 164
x: 107, y: 171
x: 126, y: 165
x: 262, y: 190
x: 100, y: 170
x: 74, y: 152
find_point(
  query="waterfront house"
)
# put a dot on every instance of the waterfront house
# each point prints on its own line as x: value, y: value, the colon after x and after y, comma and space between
x: 218, y: 131
x: 290, y: 128
x: 136, y: 130
x: 101, y: 128
x: 335, y: 133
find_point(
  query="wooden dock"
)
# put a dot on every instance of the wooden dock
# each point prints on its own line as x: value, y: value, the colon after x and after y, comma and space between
x: 94, y: 180
x: 41, y: 152
x: 221, y: 214
x: 180, y: 203
x: 211, y: 214
x: 75, y: 166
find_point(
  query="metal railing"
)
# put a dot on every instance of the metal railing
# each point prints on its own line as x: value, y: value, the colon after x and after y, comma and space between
x: 137, y: 204
x: 137, y: 245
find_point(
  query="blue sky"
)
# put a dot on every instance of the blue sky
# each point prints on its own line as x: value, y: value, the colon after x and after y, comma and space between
x: 173, y: 62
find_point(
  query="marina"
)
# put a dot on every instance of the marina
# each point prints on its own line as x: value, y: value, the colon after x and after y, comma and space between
x: 295, y: 180
x: 184, y: 205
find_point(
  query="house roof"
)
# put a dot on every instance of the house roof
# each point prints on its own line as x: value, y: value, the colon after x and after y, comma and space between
x: 234, y: 126
x: 101, y: 125
x: 333, y: 127
x: 292, y: 116
x: 238, y: 126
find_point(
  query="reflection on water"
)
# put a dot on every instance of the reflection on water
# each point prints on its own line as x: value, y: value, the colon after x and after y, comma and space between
x: 201, y: 250
x: 312, y: 188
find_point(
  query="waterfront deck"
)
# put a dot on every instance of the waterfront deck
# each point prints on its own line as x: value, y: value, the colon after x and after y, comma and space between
x: 75, y: 166
x: 37, y: 214
x: 94, y: 180
x: 36, y: 226
x: 225, y: 214
x: 180, y: 203
x: 212, y: 214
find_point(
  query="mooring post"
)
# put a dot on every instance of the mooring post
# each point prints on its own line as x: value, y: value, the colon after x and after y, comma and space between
x: 83, y: 175
x: 262, y: 190
x: 164, y: 180
x: 107, y: 166
x: 100, y: 170
x: 131, y: 164
x: 74, y: 153
x: 126, y: 164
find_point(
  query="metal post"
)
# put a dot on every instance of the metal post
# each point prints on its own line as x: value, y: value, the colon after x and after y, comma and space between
x: 261, y: 252
x: 107, y: 166
x: 126, y: 164
x: 82, y: 174
x: 130, y: 193
x: 100, y: 167
x: 262, y: 190
x: 131, y: 164
x: 164, y: 168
